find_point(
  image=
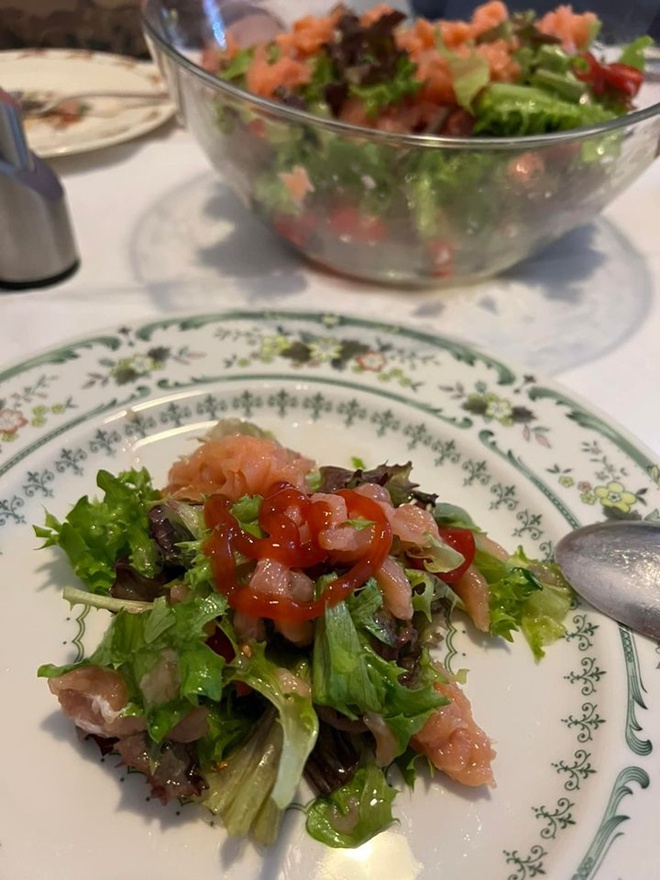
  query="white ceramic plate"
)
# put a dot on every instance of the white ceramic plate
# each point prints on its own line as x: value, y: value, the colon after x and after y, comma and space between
x: 107, y: 121
x: 574, y: 765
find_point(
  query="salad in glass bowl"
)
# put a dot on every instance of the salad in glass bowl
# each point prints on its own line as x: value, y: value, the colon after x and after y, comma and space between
x: 273, y: 623
x: 412, y: 151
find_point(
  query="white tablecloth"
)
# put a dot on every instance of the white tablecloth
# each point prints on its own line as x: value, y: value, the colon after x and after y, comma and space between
x: 159, y: 232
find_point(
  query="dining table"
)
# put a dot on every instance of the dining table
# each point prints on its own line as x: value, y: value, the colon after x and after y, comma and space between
x: 161, y: 234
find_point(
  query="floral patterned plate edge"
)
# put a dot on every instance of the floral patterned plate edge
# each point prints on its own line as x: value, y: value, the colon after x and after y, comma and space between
x: 94, y: 122
x: 572, y: 732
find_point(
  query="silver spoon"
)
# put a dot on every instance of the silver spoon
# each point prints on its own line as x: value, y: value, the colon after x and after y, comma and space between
x: 616, y: 567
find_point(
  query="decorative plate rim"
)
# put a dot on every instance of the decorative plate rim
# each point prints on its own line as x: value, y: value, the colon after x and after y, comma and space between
x: 458, y: 349
x: 146, y: 70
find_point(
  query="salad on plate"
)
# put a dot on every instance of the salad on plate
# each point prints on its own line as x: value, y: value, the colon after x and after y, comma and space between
x: 272, y: 632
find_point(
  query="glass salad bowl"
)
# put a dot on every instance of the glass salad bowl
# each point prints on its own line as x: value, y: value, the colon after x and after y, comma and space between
x: 401, y: 208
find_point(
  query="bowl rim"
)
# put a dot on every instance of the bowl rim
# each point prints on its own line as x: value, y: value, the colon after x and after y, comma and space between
x: 426, y: 141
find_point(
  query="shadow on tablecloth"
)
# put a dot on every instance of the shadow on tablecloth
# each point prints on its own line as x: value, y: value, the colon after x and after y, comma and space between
x: 577, y: 300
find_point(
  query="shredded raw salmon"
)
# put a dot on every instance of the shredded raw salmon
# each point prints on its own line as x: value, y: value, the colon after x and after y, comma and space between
x: 454, y: 743
x: 575, y: 30
x: 488, y: 16
x: 94, y: 699
x: 371, y: 15
x: 234, y: 466
x: 472, y: 590
x: 297, y: 182
x: 503, y: 67
x: 426, y: 43
x: 264, y: 77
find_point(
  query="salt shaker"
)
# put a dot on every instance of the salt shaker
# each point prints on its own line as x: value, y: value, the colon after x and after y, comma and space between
x: 37, y: 244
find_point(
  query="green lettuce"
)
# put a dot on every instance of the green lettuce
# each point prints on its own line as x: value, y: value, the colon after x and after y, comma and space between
x: 446, y: 514
x: 505, y: 110
x: 427, y: 590
x: 352, y: 678
x: 355, y: 812
x: 259, y: 778
x: 469, y: 75
x: 235, y: 70
x: 240, y: 791
x: 364, y: 606
x: 246, y: 512
x: 96, y: 534
x: 438, y: 557
x: 378, y: 96
x: 296, y: 715
x: 436, y: 182
x: 137, y: 646
x: 525, y: 595
x: 633, y: 53
x: 229, y: 726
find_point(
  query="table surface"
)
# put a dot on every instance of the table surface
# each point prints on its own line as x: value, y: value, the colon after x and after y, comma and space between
x: 159, y: 233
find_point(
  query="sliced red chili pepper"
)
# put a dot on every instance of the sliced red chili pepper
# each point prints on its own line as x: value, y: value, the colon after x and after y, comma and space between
x: 622, y: 78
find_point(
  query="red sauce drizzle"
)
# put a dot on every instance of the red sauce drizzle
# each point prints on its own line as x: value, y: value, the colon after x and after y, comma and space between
x: 285, y: 514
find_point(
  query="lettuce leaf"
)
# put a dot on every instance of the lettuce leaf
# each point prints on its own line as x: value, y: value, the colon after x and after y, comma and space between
x: 438, y: 557
x: 352, y: 678
x: 96, y: 534
x: 436, y: 182
x: 139, y: 646
x: 246, y: 511
x: 633, y: 53
x: 469, y: 75
x: 505, y: 110
x: 525, y: 595
x: 429, y: 589
x: 240, y: 791
x: 236, y: 69
x: 378, y: 96
x: 364, y: 606
x: 446, y: 514
x: 355, y: 812
x: 288, y: 689
x: 393, y: 477
x: 229, y: 725
x: 259, y: 778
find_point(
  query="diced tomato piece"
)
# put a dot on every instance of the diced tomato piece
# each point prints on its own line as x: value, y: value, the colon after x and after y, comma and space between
x: 257, y: 127
x: 442, y: 257
x: 461, y: 540
x: 624, y: 78
x: 294, y: 228
x: 347, y: 222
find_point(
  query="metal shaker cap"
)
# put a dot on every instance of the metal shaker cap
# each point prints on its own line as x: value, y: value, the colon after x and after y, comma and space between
x: 37, y: 244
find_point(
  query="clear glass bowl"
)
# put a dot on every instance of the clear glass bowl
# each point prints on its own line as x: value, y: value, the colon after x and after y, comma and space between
x: 445, y: 210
